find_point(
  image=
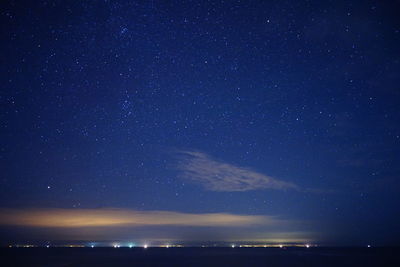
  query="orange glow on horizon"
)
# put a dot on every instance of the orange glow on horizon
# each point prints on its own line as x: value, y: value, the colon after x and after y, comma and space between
x: 119, y: 217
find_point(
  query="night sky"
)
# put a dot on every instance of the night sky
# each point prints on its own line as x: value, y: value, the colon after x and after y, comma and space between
x: 198, y: 121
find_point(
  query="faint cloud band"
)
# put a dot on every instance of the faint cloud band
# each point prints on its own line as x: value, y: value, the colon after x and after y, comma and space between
x: 124, y: 217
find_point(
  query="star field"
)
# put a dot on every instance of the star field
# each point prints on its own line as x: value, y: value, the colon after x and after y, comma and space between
x: 270, y: 108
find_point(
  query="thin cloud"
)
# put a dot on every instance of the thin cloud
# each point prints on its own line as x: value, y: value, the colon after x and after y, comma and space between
x: 72, y: 218
x: 141, y: 227
x: 220, y: 176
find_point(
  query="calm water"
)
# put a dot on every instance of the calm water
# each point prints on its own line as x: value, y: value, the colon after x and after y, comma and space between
x: 200, y: 257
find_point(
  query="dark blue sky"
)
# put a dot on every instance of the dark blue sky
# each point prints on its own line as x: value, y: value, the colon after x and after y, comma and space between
x: 283, y: 111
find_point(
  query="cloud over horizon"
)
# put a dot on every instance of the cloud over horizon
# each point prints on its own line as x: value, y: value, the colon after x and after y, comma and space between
x: 113, y: 224
x: 105, y: 217
x: 216, y: 175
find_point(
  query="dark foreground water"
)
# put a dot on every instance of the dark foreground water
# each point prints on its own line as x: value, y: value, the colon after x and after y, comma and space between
x: 200, y: 257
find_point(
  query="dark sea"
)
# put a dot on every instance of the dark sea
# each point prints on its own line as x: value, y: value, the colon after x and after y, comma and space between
x: 200, y: 257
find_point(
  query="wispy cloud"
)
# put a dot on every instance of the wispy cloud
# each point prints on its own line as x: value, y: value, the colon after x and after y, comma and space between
x: 125, y: 217
x: 216, y: 175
